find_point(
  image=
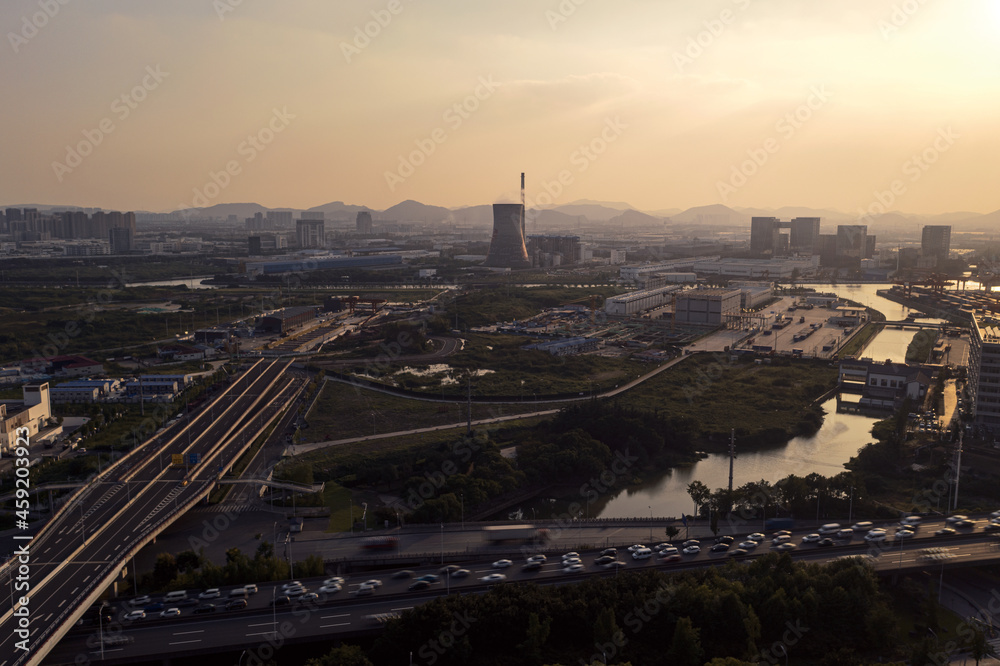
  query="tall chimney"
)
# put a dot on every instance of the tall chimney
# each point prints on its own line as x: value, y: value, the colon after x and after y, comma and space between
x: 522, y: 205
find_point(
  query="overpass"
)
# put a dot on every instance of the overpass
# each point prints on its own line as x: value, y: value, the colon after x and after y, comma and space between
x: 76, y: 556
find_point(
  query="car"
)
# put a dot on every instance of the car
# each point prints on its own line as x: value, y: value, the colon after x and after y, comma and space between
x: 811, y: 538
x: 963, y: 524
x: 669, y: 550
x: 739, y: 552
x: 448, y: 568
x: 210, y: 608
x: 405, y: 573
x: 292, y: 583
x: 493, y: 578
x: 756, y: 536
x: 863, y: 526
x: 609, y: 551
x: 825, y: 542
x: 635, y: 547
x: 210, y: 593
x: 460, y: 573
x: 991, y: 527
x: 780, y: 539
x: 946, y: 531
x: 236, y: 604
x: 339, y: 580
x: 670, y: 557
x: 141, y: 601
x: 137, y: 614
x: 904, y: 534
x: 995, y: 514
x: 720, y: 548
x: 309, y: 596
x: 692, y: 550
x: 375, y: 582
x: 250, y: 588
x: 781, y: 533
x: 364, y: 591
x: 691, y: 542
x: 913, y: 522
x: 295, y: 592
x: 170, y: 612
x: 615, y: 564
x: 418, y: 585
x: 427, y: 578
x: 784, y: 547
x: 846, y: 533
x: 532, y: 566
x: 604, y: 560
x: 875, y: 536
x: 829, y: 528
x: 660, y: 546
x: 577, y: 560
x: 572, y: 568
x: 330, y: 589
x: 502, y: 564
x: 951, y: 520
x: 747, y: 545
x: 728, y: 540
x: 277, y: 601
x: 575, y: 555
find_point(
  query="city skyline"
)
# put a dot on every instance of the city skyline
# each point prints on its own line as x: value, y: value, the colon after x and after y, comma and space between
x: 852, y: 108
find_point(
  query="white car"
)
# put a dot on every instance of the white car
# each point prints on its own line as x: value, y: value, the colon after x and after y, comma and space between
x: 137, y: 614
x: 502, y: 564
x: 572, y: 568
x: 170, y: 612
x: 756, y: 536
x: 493, y: 578
x: 330, y: 589
x: 748, y: 545
x: 692, y: 550
x: 778, y: 540
x: 635, y: 547
x: 537, y: 558
x: 904, y: 534
x: 846, y: 533
x: 211, y: 593
x: 571, y: 555
x: 293, y: 583
x: 574, y: 560
x: 811, y: 538
x: 334, y: 580
x: 669, y: 550
x: 875, y: 536
x: 957, y: 518
x: 373, y: 582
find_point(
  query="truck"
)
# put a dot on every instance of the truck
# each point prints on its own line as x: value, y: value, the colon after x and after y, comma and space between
x: 779, y: 523
x: 518, y: 533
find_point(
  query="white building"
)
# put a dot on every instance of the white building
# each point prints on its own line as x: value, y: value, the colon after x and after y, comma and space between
x: 707, y: 306
x: 984, y: 370
x: 36, y: 410
x: 635, y: 272
x: 640, y: 301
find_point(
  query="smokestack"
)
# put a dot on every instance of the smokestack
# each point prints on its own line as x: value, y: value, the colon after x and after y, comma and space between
x: 522, y: 205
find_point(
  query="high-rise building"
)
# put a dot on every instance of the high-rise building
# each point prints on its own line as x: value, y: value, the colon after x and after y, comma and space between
x: 803, y: 234
x: 279, y: 219
x: 507, y: 248
x: 984, y: 371
x: 120, y: 240
x: 253, y: 246
x: 763, y: 235
x: 935, y: 241
x: 310, y: 233
x: 363, y: 224
x: 852, y: 241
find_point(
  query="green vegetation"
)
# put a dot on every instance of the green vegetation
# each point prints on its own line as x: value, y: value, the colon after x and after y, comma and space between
x: 765, y: 404
x: 919, y: 349
x: 833, y: 614
x: 860, y: 340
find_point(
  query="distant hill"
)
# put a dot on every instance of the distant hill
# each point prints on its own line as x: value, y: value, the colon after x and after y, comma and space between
x: 543, y: 221
x: 664, y: 212
x: 617, y: 205
x: 988, y: 222
x: 414, y: 211
x: 788, y: 212
x: 594, y: 212
x: 338, y: 210
x: 474, y: 216
x: 712, y: 214
x: 240, y: 210
x: 633, y: 218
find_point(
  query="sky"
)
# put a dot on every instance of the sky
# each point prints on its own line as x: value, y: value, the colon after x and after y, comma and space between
x: 158, y: 105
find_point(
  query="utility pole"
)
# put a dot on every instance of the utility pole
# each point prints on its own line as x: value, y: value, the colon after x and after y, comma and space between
x: 958, y: 470
x: 732, y: 455
x: 469, y: 430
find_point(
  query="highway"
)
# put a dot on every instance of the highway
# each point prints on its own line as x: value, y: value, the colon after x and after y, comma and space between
x: 74, y: 557
x: 345, y: 614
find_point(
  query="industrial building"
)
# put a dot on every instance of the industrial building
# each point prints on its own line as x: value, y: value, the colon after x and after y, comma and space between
x: 759, y: 268
x: 32, y: 413
x: 753, y: 294
x: 766, y: 238
x: 640, y: 301
x: 507, y: 249
x: 284, y: 320
x: 884, y: 385
x: 984, y: 370
x: 707, y: 306
x: 638, y: 272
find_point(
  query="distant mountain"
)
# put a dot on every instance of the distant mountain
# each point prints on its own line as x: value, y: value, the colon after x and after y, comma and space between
x: 473, y: 216
x: 48, y: 208
x: 788, y: 212
x: 951, y: 218
x: 988, y: 222
x: 240, y: 210
x: 617, y: 205
x: 540, y: 221
x: 339, y: 210
x: 712, y: 214
x: 633, y: 218
x: 594, y: 212
x: 414, y: 211
x: 664, y: 212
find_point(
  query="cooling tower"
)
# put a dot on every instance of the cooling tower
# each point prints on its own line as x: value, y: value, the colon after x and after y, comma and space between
x: 507, y: 245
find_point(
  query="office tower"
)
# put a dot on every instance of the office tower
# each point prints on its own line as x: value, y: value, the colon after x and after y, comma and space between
x: 804, y: 234
x: 363, y: 224
x: 852, y: 241
x: 253, y: 246
x: 120, y: 240
x: 763, y: 233
x: 279, y: 219
x: 935, y: 241
x: 310, y: 232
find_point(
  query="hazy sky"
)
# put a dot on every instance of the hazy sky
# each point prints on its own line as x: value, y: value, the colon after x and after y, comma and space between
x: 135, y: 104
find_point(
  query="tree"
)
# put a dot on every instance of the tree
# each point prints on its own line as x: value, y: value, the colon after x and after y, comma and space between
x: 671, y: 532
x: 345, y: 655
x: 978, y: 647
x: 685, y: 649
x: 699, y: 493
x: 537, y: 635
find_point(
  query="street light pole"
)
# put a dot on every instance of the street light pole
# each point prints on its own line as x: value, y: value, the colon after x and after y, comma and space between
x: 650, y: 524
